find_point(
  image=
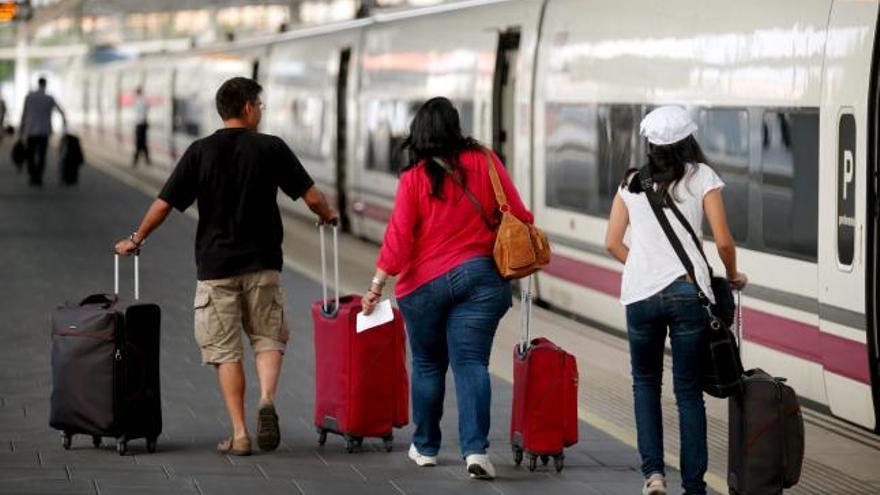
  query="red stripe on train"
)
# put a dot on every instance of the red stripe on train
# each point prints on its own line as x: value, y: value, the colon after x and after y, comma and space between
x: 836, y: 354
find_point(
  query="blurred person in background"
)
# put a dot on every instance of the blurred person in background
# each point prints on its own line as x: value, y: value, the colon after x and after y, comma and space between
x: 141, y: 108
x: 36, y: 127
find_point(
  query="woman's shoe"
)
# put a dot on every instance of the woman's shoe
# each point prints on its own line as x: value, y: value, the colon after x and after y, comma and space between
x: 480, y: 467
x: 235, y: 446
x: 421, y: 460
x: 655, y: 485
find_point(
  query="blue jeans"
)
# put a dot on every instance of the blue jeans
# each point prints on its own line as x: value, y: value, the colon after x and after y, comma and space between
x: 676, y: 307
x: 452, y: 320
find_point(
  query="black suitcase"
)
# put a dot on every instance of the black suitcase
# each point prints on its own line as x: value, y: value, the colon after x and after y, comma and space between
x: 105, y: 369
x: 766, y: 435
x: 70, y: 159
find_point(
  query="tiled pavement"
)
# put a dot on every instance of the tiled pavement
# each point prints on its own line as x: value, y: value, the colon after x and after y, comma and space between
x: 55, y: 245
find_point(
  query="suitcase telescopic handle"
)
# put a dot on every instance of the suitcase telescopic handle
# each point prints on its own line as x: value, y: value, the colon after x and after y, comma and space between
x: 324, y: 307
x: 525, y: 314
x: 738, y: 327
x: 137, y: 275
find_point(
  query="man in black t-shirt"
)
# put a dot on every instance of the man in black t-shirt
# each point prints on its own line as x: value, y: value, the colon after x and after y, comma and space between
x: 234, y: 174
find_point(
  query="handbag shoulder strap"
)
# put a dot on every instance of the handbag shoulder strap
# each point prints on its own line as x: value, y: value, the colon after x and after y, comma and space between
x: 457, y: 178
x: 687, y: 225
x: 654, y: 200
x: 500, y: 197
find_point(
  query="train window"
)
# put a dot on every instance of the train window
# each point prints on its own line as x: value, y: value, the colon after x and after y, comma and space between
x: 589, y: 148
x: 790, y: 182
x: 724, y: 137
x: 186, y: 116
x: 466, y: 115
x: 387, y: 124
x: 306, y: 127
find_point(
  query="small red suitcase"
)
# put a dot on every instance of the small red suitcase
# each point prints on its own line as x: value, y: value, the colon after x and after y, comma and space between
x: 545, y: 382
x: 361, y: 383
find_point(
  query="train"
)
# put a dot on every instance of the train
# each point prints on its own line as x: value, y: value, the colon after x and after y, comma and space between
x: 785, y: 94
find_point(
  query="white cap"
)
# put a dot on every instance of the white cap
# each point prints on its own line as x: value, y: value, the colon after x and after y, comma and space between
x: 667, y: 125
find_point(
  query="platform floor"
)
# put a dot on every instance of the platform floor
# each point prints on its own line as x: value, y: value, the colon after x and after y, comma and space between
x: 57, y: 246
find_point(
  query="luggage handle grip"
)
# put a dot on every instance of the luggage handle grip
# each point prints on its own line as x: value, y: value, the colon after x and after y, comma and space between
x: 105, y: 300
x: 324, y: 307
x: 137, y: 272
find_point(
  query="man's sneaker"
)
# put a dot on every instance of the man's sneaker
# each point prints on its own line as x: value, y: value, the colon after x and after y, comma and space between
x: 655, y: 485
x: 421, y: 460
x: 480, y: 467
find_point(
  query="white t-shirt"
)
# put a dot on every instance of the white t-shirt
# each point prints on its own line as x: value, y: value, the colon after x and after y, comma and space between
x: 141, y: 109
x: 652, y: 263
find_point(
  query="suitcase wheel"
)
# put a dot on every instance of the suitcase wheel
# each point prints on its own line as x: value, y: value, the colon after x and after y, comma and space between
x: 388, y: 443
x: 65, y: 440
x: 559, y: 462
x: 96, y: 441
x: 517, y: 455
x: 533, y: 462
x: 121, y: 446
x: 353, y: 442
x: 545, y: 459
x: 322, y: 437
x: 151, y: 445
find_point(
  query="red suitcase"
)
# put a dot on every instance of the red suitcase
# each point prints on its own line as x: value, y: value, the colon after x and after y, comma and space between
x: 361, y: 383
x: 545, y: 382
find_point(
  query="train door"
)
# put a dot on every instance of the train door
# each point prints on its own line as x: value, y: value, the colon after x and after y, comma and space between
x: 872, y: 284
x: 342, y: 136
x: 503, y: 95
x: 844, y: 219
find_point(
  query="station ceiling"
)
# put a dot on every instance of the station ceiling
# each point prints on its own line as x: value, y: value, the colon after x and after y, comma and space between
x: 105, y: 7
x: 48, y: 12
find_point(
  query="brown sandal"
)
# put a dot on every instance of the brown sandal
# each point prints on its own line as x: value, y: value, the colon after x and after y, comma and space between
x: 230, y: 446
x: 268, y: 431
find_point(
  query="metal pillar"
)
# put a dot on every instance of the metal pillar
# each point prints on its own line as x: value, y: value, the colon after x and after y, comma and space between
x: 22, y: 73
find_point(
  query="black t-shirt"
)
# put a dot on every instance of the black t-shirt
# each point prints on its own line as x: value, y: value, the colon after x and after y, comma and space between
x: 235, y: 174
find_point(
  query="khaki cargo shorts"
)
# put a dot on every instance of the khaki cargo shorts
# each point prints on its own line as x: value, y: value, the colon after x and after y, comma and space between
x: 252, y: 303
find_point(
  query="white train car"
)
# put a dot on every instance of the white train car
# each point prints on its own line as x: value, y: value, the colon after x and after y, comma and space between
x: 785, y: 94
x: 776, y: 89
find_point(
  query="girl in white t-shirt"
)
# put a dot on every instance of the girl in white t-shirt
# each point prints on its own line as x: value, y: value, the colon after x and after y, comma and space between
x: 658, y: 293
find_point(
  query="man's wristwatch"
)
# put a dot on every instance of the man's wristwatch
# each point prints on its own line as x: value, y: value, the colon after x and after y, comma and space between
x: 133, y: 238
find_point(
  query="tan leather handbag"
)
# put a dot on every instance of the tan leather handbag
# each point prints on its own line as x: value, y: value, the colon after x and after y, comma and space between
x: 521, y: 249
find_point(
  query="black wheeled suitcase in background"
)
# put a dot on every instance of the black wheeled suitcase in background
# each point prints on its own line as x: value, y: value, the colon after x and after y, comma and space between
x: 766, y: 434
x: 105, y: 369
x: 70, y: 159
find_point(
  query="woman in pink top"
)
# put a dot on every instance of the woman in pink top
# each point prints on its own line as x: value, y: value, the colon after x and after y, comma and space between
x: 439, y: 246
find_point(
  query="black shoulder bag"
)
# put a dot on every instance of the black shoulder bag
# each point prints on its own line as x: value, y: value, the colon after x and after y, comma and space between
x: 722, y: 367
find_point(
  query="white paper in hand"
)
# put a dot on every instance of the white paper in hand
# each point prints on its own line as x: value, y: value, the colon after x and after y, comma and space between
x: 380, y: 316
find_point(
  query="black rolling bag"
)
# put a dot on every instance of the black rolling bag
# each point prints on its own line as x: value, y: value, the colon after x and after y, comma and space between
x: 766, y: 435
x: 70, y: 159
x: 105, y: 369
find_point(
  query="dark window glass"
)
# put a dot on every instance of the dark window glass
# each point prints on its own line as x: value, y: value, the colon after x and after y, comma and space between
x: 790, y: 182
x: 724, y: 137
x: 387, y: 124
x: 589, y: 148
x: 186, y: 116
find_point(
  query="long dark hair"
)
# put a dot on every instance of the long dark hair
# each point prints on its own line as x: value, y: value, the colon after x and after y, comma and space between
x: 668, y: 165
x: 436, y: 131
